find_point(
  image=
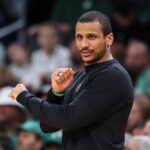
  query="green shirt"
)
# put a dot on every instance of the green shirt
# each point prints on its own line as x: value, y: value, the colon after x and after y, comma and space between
x: 143, y: 83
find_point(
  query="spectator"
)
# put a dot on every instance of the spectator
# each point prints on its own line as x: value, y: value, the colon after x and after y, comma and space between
x: 139, y: 114
x: 19, y: 58
x: 137, y: 58
x: 30, y: 136
x: 51, y: 54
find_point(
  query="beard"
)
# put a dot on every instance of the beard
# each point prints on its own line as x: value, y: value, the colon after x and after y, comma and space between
x: 96, y: 56
x: 100, y: 55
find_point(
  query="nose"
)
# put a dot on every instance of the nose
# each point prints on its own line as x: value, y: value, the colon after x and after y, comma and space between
x: 84, y: 43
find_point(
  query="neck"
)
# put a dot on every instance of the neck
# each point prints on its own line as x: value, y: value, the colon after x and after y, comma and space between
x: 49, y: 51
x: 108, y: 56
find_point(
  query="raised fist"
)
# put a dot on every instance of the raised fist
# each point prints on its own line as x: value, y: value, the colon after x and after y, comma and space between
x: 17, y: 90
x: 61, y: 79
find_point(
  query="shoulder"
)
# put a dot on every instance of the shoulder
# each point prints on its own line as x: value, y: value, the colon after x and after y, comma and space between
x: 113, y: 75
x: 115, y: 71
x: 119, y: 72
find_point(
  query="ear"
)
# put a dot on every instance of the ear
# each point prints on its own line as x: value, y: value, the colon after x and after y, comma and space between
x: 109, y: 39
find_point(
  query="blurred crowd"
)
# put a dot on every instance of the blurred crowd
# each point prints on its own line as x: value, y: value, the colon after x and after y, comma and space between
x: 43, y: 40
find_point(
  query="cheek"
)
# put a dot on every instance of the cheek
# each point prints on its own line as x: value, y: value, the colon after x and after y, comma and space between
x: 27, y: 140
x: 78, y: 44
x: 99, y: 45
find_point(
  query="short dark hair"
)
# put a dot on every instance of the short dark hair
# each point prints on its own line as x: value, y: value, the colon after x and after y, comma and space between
x: 92, y: 16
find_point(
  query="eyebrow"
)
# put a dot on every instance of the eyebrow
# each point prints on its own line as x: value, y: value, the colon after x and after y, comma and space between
x: 91, y: 32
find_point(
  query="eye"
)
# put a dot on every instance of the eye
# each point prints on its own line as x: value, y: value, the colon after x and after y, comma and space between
x: 79, y: 37
x: 92, y: 36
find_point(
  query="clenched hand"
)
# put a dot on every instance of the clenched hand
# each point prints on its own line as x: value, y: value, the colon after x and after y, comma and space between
x: 61, y: 79
x: 17, y: 90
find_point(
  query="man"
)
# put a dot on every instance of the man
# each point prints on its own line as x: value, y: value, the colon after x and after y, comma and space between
x: 30, y: 136
x: 137, y: 58
x: 91, y: 107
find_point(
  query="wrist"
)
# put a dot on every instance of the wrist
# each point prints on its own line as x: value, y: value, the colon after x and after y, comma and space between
x: 58, y: 94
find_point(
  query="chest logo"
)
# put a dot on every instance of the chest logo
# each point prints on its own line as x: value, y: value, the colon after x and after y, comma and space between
x: 78, y: 87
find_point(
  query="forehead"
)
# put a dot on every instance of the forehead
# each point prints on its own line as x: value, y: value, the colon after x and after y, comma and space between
x: 87, y: 27
x: 46, y: 30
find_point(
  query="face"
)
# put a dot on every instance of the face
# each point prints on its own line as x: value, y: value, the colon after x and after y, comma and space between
x: 92, y: 44
x: 17, y: 54
x: 47, y: 38
x: 136, y: 55
x: 27, y: 140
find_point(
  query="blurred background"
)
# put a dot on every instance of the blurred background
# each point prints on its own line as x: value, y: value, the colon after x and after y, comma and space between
x: 36, y: 37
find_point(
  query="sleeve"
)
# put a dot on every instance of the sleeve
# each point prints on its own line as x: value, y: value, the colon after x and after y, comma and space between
x: 51, y: 98
x: 92, y: 104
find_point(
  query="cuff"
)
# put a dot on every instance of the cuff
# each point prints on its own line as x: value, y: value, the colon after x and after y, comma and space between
x: 23, y: 97
x: 53, y: 98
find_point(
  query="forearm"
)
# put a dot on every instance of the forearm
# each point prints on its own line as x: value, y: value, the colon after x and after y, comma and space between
x: 46, y: 112
x: 25, y: 98
x: 87, y: 108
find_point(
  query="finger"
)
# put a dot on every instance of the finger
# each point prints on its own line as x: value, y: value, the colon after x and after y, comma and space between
x: 12, y: 96
x: 63, y: 73
x: 57, y: 79
x: 67, y: 73
x: 71, y: 71
x: 62, y: 76
x: 55, y: 73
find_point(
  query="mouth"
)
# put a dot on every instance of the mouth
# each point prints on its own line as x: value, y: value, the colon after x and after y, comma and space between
x: 86, y: 53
